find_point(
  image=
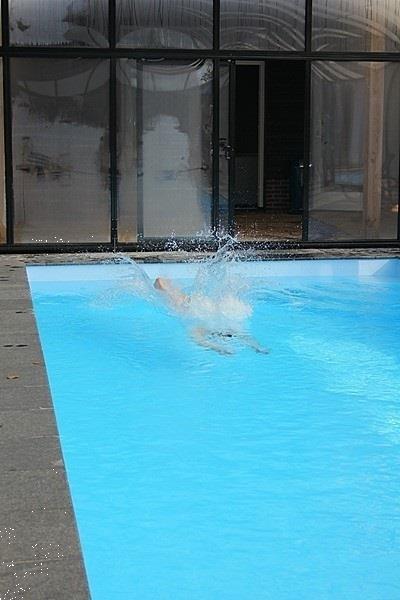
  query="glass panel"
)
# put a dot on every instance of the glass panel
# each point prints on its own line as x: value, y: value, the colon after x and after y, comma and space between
x: 355, y: 151
x: 127, y: 150
x: 2, y: 179
x: 356, y: 25
x: 224, y: 140
x: 262, y: 24
x: 284, y: 150
x: 60, y: 150
x: 59, y: 23
x: 174, y: 107
x: 167, y: 24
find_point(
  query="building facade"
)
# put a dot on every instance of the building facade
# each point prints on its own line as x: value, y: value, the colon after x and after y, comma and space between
x: 144, y: 123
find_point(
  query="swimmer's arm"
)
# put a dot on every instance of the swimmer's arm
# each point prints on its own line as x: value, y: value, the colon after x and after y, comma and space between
x: 201, y: 337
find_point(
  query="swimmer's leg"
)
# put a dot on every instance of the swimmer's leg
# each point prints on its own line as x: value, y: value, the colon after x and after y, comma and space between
x: 251, y: 342
x: 175, y: 295
x: 202, y: 337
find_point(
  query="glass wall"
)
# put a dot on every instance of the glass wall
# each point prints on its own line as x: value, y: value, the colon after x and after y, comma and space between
x: 110, y: 108
x: 223, y: 147
x: 2, y: 180
x: 167, y: 24
x: 356, y: 25
x: 127, y: 144
x: 59, y: 23
x: 262, y: 24
x: 355, y: 151
x: 60, y: 150
x: 174, y: 174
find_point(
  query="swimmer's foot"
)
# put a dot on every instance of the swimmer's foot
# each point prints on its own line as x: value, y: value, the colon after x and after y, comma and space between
x: 260, y: 350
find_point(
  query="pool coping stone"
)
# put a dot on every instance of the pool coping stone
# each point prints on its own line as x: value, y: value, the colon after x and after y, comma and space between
x: 40, y: 552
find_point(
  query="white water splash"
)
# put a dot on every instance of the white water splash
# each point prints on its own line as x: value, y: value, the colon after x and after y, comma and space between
x: 216, y: 299
x: 214, y: 307
x: 218, y: 296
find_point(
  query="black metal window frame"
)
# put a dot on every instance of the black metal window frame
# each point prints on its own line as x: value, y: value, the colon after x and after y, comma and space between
x: 113, y: 53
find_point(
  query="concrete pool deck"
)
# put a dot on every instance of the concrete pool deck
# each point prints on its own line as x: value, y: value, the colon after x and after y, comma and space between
x: 40, y: 553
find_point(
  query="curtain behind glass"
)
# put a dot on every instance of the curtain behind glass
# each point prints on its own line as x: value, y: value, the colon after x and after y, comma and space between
x: 262, y: 24
x: 76, y: 23
x: 224, y: 139
x: 165, y: 24
x: 174, y: 108
x: 60, y: 150
x: 355, y: 151
x: 2, y: 178
x: 356, y: 25
x: 127, y: 132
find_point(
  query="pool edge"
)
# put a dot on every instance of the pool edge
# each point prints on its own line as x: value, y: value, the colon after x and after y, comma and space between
x: 39, y: 541
x: 183, y: 256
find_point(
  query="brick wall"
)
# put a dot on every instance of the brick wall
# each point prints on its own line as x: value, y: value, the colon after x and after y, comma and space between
x: 277, y: 194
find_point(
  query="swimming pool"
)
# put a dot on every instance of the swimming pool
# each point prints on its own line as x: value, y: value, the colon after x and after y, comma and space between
x: 200, y: 476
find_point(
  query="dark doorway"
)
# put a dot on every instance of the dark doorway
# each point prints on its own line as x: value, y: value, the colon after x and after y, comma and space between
x: 269, y: 209
x: 247, y: 130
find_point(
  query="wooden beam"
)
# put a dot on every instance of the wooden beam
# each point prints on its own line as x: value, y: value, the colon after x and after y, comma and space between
x: 375, y: 83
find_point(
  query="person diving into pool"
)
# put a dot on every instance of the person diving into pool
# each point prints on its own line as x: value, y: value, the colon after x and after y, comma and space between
x: 217, y: 322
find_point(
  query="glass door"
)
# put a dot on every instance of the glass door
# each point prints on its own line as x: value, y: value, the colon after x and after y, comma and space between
x: 226, y: 146
x: 174, y: 129
x: 241, y: 145
x: 261, y: 147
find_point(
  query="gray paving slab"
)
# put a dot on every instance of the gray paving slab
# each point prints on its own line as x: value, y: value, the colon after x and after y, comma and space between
x: 16, y: 424
x: 39, y: 546
x: 14, y: 321
x: 21, y: 355
x: 24, y: 304
x: 32, y: 491
x: 16, y: 350
x: 28, y: 339
x: 181, y: 256
x: 25, y: 374
x: 12, y: 275
x: 58, y: 578
x: 26, y: 535
x: 29, y: 453
x: 14, y: 291
x: 19, y: 397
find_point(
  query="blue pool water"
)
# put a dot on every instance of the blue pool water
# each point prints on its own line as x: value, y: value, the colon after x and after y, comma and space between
x: 197, y: 476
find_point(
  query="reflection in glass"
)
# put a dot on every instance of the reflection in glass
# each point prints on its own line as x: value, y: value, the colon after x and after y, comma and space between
x: 60, y: 150
x: 262, y: 24
x: 356, y: 25
x: 167, y: 24
x: 355, y: 151
x: 127, y: 150
x: 2, y: 179
x: 76, y: 23
x: 174, y: 174
x: 224, y: 140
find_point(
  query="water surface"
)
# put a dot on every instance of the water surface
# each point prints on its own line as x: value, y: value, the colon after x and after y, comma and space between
x: 248, y: 477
